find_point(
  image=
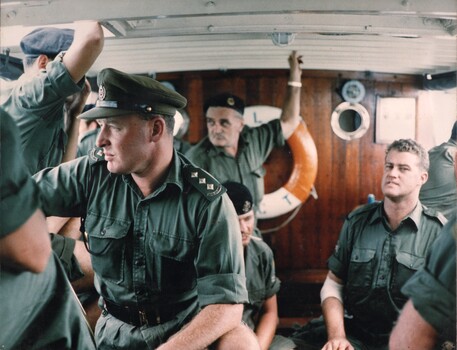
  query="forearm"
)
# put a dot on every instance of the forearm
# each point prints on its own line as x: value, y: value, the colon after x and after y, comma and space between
x: 266, y: 329
x: 209, y: 325
x: 333, y: 312
x: 412, y: 331
x: 290, y: 115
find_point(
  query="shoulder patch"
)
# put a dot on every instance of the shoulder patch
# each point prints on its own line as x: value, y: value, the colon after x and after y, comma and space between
x: 204, y: 182
x: 434, y: 214
x: 96, y: 155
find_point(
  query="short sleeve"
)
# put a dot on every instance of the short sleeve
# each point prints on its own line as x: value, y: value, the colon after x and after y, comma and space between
x: 19, y: 197
x: 432, y: 289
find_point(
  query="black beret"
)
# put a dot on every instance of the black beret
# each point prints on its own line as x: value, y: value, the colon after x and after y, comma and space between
x: 240, y: 196
x: 226, y: 100
x: 121, y: 93
x: 47, y: 41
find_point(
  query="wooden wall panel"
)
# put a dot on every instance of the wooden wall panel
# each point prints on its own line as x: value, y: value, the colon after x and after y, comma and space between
x: 347, y: 170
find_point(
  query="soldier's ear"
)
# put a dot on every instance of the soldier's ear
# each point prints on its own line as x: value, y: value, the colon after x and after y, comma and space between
x: 42, y: 61
x: 157, y: 128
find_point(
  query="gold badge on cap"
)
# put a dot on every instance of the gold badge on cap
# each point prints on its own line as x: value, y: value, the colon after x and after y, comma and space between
x: 230, y: 101
x: 101, y: 92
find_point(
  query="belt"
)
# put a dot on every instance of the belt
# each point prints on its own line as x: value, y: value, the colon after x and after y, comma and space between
x: 134, y: 315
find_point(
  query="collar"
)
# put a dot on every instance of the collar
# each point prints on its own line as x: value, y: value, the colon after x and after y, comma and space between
x: 414, y: 216
x: 174, y: 176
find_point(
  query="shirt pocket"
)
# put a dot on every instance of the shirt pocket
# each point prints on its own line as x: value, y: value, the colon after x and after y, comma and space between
x: 360, y: 272
x: 174, y: 256
x: 107, y: 241
x: 406, y: 264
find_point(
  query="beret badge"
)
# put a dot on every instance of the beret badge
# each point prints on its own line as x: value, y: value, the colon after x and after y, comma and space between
x: 101, y: 92
x: 246, y: 206
x: 230, y: 101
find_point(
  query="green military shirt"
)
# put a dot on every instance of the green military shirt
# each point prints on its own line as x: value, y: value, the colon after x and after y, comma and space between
x: 19, y: 197
x: 374, y: 262
x: 36, y: 105
x: 254, y: 147
x: 261, y: 282
x: 432, y: 289
x: 440, y: 190
x: 179, y: 249
x: 38, y: 310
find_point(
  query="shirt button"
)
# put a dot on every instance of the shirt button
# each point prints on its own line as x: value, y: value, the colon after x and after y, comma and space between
x: 103, y: 232
x: 382, y: 277
x: 139, y: 262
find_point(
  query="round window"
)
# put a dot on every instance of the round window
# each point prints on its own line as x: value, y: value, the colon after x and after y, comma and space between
x: 350, y: 120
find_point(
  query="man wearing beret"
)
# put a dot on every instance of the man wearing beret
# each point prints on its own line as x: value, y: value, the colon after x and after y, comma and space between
x: 55, y: 63
x: 163, y: 235
x: 233, y: 151
x: 38, y: 307
x: 261, y: 312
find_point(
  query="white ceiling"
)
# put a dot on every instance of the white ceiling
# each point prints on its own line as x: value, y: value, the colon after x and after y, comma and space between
x: 152, y: 36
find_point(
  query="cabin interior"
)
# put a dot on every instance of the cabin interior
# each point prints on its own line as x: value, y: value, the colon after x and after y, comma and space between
x: 399, y: 51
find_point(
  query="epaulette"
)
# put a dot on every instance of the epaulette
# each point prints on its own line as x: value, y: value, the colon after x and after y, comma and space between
x: 434, y: 214
x: 205, y: 183
x: 363, y: 209
x: 96, y: 155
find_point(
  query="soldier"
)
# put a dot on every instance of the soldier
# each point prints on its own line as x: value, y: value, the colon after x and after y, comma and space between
x: 163, y: 235
x: 261, y: 312
x: 235, y: 152
x: 39, y: 309
x: 55, y: 63
x: 381, y: 245
x: 427, y: 320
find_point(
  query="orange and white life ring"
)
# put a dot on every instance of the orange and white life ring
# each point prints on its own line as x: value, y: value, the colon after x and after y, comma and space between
x: 304, y: 172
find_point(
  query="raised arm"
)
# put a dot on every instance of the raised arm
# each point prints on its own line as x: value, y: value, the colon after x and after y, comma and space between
x: 290, y: 115
x: 86, y: 47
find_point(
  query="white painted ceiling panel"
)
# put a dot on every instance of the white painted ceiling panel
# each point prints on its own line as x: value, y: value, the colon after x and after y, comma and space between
x: 152, y: 36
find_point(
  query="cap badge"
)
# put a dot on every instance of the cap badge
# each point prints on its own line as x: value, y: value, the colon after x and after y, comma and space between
x: 246, y: 206
x: 230, y: 101
x: 101, y: 92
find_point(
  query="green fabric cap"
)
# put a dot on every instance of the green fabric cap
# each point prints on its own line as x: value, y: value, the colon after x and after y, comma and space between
x: 121, y: 93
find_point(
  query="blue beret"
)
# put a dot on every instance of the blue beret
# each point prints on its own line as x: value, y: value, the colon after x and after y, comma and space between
x: 47, y: 41
x: 226, y: 100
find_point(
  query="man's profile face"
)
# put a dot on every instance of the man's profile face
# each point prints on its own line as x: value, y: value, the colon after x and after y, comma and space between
x: 124, y: 140
x: 247, y: 222
x: 224, y: 126
x: 402, y: 175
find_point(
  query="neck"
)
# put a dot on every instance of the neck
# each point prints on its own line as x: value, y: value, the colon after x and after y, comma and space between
x: 232, y: 150
x: 397, y: 211
x: 156, y: 171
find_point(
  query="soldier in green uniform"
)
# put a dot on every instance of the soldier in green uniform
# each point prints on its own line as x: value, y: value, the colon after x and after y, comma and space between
x: 261, y: 312
x: 381, y: 245
x: 38, y: 307
x: 440, y: 190
x: 163, y: 235
x: 428, y: 319
x: 55, y: 63
x: 233, y: 151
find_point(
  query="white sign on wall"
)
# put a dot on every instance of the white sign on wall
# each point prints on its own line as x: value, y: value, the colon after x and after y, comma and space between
x: 395, y: 119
